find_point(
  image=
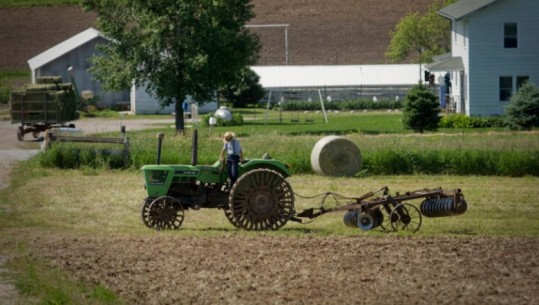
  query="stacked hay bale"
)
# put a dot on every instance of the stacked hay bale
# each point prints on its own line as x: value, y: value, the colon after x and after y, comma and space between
x: 48, y: 101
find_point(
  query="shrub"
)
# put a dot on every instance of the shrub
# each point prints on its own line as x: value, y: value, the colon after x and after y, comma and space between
x: 4, y: 92
x: 523, y: 111
x: 420, y: 109
x: 344, y: 105
x: 464, y: 121
x: 237, y: 120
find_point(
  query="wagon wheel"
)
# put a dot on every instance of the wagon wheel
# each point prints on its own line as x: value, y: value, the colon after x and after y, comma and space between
x: 405, y: 217
x: 230, y: 217
x: 261, y: 200
x: 20, y: 134
x: 91, y: 108
x: 163, y: 213
x: 385, y: 225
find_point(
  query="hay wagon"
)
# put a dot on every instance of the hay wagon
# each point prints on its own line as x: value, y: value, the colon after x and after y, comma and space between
x: 47, y: 104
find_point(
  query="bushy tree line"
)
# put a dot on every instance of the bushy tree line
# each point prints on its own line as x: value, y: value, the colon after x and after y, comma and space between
x: 343, y: 106
x: 421, y: 112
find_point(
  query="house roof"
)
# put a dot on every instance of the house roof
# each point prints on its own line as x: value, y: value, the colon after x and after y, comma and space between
x: 464, y: 7
x: 337, y: 76
x: 63, y: 48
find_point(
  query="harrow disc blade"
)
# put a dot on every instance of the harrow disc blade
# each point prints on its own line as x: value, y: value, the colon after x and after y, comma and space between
x: 261, y: 200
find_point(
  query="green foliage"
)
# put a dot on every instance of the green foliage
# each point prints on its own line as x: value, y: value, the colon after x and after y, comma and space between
x: 343, y: 106
x: 464, y: 121
x: 386, y: 147
x: 173, y: 47
x: 429, y: 32
x: 7, y: 79
x: 523, y: 111
x: 72, y: 156
x: 34, y: 3
x: 237, y: 120
x: 451, y: 162
x: 4, y: 92
x: 420, y: 109
x: 246, y: 90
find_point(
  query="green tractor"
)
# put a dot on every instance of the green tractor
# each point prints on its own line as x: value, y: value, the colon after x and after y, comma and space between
x: 260, y: 199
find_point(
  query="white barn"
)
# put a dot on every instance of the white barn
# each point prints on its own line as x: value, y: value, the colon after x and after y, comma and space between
x: 494, y: 49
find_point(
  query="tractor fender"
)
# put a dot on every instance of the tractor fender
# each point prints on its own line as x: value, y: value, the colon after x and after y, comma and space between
x: 271, y: 164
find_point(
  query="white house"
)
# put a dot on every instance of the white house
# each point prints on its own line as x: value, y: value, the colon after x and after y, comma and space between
x: 494, y: 49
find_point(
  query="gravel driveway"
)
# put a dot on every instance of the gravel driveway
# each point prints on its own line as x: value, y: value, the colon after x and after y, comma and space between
x: 12, y: 150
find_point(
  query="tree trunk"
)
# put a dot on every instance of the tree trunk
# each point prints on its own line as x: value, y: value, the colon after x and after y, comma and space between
x: 180, y: 125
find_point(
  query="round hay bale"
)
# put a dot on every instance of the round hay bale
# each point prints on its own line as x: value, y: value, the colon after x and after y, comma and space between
x: 335, y: 156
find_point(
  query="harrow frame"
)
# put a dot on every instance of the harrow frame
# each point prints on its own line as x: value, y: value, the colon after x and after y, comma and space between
x: 367, y: 211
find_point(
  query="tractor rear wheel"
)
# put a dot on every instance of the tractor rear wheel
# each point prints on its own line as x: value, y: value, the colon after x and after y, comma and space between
x: 230, y: 217
x: 261, y: 200
x: 163, y: 213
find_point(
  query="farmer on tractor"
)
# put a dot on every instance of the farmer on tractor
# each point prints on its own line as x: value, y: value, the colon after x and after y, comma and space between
x: 232, y: 148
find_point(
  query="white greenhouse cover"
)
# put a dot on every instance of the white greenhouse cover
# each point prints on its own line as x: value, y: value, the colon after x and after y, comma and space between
x: 337, y: 76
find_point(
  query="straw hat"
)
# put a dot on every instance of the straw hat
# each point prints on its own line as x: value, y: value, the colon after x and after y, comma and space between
x: 228, y: 136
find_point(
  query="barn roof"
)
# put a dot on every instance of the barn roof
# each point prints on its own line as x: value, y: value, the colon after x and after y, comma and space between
x: 337, y: 76
x: 64, y: 47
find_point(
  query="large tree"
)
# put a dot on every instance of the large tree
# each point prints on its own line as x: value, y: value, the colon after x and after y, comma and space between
x: 426, y: 34
x: 247, y: 90
x: 174, y: 47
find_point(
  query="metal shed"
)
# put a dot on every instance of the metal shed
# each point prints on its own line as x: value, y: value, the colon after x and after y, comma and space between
x: 75, y: 52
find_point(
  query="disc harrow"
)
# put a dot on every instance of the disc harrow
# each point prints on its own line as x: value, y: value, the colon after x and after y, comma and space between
x: 391, y: 213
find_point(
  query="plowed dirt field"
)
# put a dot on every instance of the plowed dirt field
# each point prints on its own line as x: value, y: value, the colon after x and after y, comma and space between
x: 320, y: 32
x: 238, y: 269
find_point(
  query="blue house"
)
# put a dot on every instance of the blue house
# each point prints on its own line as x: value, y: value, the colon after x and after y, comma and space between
x: 494, y: 50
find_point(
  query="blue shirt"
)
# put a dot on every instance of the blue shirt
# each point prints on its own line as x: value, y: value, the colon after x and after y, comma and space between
x: 232, y: 148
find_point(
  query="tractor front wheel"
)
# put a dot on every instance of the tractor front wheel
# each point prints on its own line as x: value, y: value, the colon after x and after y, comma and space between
x: 261, y: 200
x: 163, y: 213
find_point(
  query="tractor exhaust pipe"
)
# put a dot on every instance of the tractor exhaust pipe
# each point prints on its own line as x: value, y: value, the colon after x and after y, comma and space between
x: 160, y: 137
x: 194, y: 148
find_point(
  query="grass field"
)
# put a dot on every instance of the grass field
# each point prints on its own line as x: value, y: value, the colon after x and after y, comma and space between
x: 102, y: 203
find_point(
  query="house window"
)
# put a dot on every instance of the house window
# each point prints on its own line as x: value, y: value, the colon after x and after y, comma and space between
x: 510, y: 40
x: 521, y: 80
x: 506, y: 88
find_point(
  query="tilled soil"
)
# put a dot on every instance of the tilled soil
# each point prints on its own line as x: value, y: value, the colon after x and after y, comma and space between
x: 237, y: 269
x: 320, y: 32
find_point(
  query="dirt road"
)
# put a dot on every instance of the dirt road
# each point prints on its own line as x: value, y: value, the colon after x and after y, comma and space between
x: 12, y: 150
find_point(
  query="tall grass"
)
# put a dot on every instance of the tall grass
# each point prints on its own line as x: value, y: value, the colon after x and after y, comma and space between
x: 386, y: 148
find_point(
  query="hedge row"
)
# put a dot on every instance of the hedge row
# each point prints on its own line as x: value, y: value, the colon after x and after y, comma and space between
x: 379, y: 162
x: 343, y: 106
x: 452, y: 162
